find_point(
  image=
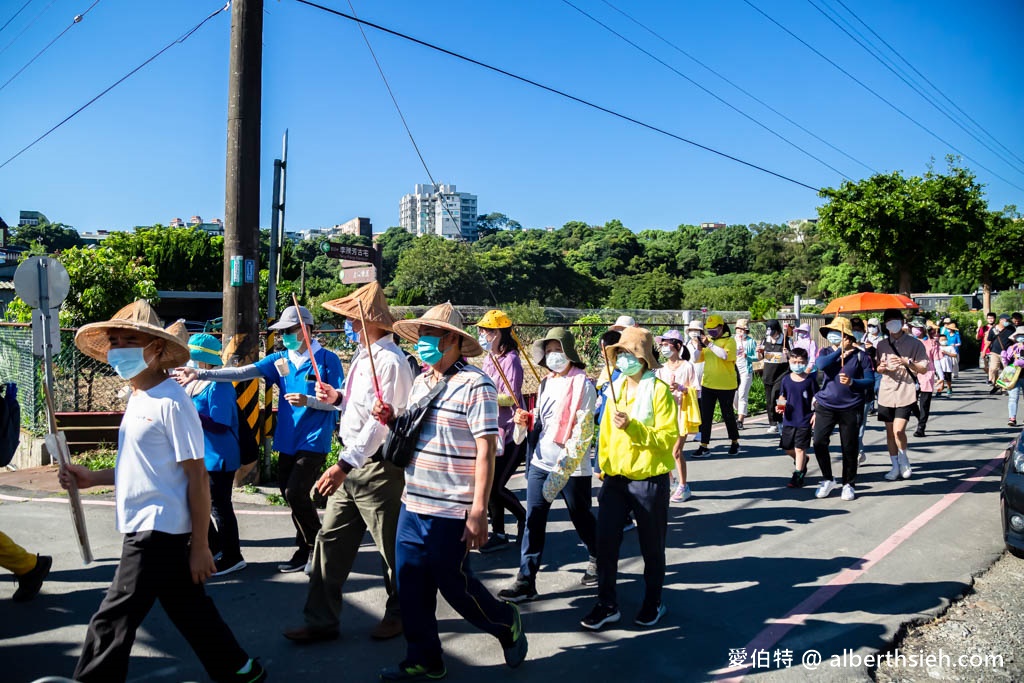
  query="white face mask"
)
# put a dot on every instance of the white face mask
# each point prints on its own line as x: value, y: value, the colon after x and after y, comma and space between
x: 666, y: 351
x: 694, y: 334
x: 556, y: 361
x: 893, y: 326
x: 872, y: 329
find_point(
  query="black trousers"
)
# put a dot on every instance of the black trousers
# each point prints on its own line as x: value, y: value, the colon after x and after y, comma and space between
x: 924, y: 405
x: 724, y: 398
x: 224, y: 525
x: 501, y: 497
x: 825, y: 420
x: 296, y: 475
x: 647, y: 499
x: 153, y: 566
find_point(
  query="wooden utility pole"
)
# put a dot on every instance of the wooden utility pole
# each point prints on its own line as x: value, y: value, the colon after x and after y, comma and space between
x: 242, y: 190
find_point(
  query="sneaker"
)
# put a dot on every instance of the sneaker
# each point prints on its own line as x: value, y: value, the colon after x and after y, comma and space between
x: 681, y: 494
x: 629, y: 526
x: 516, y: 652
x: 919, y: 433
x: 862, y: 458
x: 255, y: 674
x: 413, y: 672
x: 519, y: 591
x: 227, y: 566
x: 702, y: 452
x: 298, y: 562
x: 1012, y: 422
x: 31, y: 581
x: 894, y: 473
x: 826, y: 487
x: 308, y: 569
x: 848, y: 492
x: 796, y: 481
x: 590, y: 576
x: 993, y: 391
x: 599, y: 617
x: 734, y: 448
x: 772, y: 429
x: 650, y: 616
x: 495, y: 543
x: 739, y: 424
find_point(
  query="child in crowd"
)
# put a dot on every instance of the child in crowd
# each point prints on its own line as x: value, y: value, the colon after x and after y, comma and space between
x: 794, y: 405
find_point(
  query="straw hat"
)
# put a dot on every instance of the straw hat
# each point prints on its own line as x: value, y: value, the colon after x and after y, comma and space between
x: 445, y: 317
x: 563, y: 336
x: 742, y: 323
x: 138, y: 316
x: 375, y: 306
x: 637, y: 341
x: 494, y: 320
x: 622, y: 322
x: 838, y: 324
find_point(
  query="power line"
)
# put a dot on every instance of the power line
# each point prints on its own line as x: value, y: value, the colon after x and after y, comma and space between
x: 118, y: 82
x: 926, y: 80
x: 78, y: 18
x: 913, y: 86
x: 708, y: 91
x: 27, y: 26
x: 560, y: 93
x: 876, y: 94
x: 7, y: 23
x: 415, y: 146
x: 738, y: 87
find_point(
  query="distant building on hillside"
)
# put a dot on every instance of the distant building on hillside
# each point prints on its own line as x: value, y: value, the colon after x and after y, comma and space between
x: 31, y: 218
x: 177, y: 223
x: 94, y: 238
x: 439, y: 210
x: 710, y: 227
x: 356, y: 226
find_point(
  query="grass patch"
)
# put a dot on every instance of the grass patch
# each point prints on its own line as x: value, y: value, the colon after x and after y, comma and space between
x: 276, y: 499
x: 99, y: 459
x: 250, y: 489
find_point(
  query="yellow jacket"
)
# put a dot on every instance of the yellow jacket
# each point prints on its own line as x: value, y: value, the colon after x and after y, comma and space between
x: 639, y: 451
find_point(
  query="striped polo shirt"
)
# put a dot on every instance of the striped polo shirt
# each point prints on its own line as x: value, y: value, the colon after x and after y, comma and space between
x: 440, y: 479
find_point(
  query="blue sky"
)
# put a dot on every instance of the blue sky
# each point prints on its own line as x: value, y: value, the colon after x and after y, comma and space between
x: 153, y: 148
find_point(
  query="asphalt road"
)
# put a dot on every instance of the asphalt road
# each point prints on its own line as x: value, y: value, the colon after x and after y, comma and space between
x: 752, y: 566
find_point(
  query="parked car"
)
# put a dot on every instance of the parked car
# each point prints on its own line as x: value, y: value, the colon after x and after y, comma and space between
x: 1011, y: 497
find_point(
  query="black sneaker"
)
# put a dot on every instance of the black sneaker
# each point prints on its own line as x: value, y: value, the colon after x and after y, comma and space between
x: 255, y: 674
x: 702, y: 452
x: 516, y: 652
x: 495, y: 543
x: 649, y: 616
x: 297, y: 563
x: 589, y: 577
x: 796, y: 481
x: 31, y: 581
x: 600, y: 616
x: 993, y: 391
x: 919, y: 433
x: 734, y: 448
x: 519, y: 591
x: 413, y: 672
x: 229, y: 565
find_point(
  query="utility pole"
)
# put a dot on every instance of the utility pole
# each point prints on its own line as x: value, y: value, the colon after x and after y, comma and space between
x: 242, y: 189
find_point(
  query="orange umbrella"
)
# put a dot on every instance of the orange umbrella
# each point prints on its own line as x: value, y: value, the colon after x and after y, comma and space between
x: 868, y: 301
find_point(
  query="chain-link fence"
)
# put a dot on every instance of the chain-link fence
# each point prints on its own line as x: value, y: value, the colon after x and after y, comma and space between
x: 18, y: 365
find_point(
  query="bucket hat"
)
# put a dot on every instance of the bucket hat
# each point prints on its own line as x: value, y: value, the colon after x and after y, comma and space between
x: 205, y: 348
x: 564, y: 336
x: 637, y: 341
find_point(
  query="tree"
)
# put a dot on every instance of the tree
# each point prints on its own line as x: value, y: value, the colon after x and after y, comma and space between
x: 900, y: 225
x: 654, y: 290
x: 491, y: 223
x: 392, y: 243
x: 184, y: 259
x: 439, y: 270
x: 992, y: 257
x: 726, y: 250
x: 53, y: 237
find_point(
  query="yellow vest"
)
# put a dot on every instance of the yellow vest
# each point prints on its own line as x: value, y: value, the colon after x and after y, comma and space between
x: 639, y: 451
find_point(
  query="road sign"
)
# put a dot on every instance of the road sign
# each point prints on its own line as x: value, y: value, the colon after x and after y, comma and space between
x: 236, y: 270
x: 359, y: 275
x: 350, y: 252
x: 38, y: 343
x: 27, y: 281
x: 250, y: 271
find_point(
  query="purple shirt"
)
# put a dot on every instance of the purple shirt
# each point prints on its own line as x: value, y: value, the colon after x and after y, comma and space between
x: 513, y: 369
x: 798, y: 400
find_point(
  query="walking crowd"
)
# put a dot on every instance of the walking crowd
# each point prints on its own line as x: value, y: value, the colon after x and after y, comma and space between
x: 430, y: 442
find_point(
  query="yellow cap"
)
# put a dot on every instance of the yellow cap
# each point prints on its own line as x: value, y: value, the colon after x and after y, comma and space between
x: 494, y: 319
x: 714, y: 320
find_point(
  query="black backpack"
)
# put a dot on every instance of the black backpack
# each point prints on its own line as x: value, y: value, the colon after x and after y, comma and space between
x: 10, y: 423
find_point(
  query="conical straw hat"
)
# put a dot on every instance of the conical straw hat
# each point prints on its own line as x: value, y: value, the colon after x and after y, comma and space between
x: 445, y: 317
x: 375, y: 306
x: 92, y: 339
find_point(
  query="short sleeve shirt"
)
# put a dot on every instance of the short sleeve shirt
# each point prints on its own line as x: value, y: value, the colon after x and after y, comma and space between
x: 159, y: 431
x: 441, y: 477
x: 217, y: 401
x: 898, y: 388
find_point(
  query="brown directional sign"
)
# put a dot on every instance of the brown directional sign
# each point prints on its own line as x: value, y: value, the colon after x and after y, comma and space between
x: 349, y: 252
x: 362, y: 274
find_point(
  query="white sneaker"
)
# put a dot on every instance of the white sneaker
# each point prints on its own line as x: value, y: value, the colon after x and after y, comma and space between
x: 826, y: 487
x: 904, y: 465
x: 772, y: 429
x: 848, y: 493
x: 863, y: 458
x: 894, y: 473
x: 308, y: 569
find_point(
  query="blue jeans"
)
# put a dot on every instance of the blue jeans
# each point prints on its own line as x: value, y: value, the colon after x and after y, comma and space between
x: 577, y: 500
x: 647, y: 499
x: 1013, y: 396
x: 432, y: 556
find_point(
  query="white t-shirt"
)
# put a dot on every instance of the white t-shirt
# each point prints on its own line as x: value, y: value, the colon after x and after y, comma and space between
x: 159, y: 431
x: 547, y: 453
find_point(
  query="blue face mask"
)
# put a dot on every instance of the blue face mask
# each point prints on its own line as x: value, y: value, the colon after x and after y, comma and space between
x: 427, y: 348
x: 484, y: 343
x: 858, y: 335
x: 628, y: 364
x: 834, y: 338
x: 798, y: 368
x: 291, y: 341
x: 128, y: 363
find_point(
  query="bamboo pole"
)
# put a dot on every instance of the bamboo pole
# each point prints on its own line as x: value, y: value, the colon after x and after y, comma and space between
x: 305, y: 336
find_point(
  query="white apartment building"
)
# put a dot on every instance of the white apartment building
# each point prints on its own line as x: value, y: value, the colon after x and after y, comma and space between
x: 439, y: 210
